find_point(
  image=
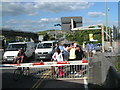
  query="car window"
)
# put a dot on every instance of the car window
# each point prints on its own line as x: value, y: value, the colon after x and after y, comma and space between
x: 16, y: 47
x: 44, y: 45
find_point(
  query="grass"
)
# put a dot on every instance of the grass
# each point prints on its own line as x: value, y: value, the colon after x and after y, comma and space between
x: 118, y: 66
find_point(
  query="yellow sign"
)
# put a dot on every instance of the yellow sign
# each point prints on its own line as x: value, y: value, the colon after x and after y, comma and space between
x: 90, y: 36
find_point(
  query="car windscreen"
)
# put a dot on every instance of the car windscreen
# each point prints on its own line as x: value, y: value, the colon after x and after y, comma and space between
x: 44, y: 45
x: 15, y: 47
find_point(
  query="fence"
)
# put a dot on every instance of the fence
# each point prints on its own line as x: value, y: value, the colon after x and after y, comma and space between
x: 57, y: 70
x: 69, y: 71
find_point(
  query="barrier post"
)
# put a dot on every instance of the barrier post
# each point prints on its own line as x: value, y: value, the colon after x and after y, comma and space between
x: 52, y: 71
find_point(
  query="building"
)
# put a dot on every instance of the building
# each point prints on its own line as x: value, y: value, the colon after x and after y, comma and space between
x: 67, y: 23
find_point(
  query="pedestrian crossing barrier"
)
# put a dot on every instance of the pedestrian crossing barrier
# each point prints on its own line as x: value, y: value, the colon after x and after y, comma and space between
x: 57, y: 70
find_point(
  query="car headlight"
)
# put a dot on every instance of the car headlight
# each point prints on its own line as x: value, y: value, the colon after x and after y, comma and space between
x: 50, y: 52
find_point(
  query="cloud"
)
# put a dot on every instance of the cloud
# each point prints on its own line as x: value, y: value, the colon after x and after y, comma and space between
x: 14, y: 9
x: 58, y: 0
x: 49, y: 20
x: 88, y: 21
x: 31, y: 25
x: 56, y: 7
x: 32, y: 9
x: 96, y: 14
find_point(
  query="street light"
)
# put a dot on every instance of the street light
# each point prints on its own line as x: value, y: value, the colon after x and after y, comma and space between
x: 107, y: 33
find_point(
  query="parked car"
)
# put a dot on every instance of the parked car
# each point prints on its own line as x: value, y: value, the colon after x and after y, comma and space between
x: 98, y: 47
x: 44, y: 49
x: 12, y: 50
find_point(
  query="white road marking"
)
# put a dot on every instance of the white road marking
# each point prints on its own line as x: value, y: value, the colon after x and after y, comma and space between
x: 8, y: 67
x: 85, y: 84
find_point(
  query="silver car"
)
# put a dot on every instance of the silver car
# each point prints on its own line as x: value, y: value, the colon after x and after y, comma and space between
x: 98, y: 47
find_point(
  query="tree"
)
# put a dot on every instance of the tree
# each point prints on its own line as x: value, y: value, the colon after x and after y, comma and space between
x: 81, y: 36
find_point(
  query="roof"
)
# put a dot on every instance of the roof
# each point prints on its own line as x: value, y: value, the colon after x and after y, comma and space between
x: 21, y: 42
x: 48, y: 41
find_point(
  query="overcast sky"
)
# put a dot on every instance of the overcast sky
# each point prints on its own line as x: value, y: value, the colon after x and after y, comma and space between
x: 39, y: 16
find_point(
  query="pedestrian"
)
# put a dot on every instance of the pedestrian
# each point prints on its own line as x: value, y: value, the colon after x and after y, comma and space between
x: 72, y: 57
x: 79, y: 53
x: 57, y: 56
x: 89, y: 48
x: 66, y: 52
x: 75, y: 43
x: 79, y: 56
x: 60, y: 47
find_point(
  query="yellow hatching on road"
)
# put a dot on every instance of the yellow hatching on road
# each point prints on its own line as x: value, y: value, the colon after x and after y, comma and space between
x: 38, y: 83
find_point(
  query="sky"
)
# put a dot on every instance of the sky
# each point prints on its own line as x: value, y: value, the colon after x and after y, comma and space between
x: 35, y: 16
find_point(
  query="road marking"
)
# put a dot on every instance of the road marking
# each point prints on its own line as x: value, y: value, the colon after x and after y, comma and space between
x: 40, y: 80
x: 8, y: 68
x: 85, y: 84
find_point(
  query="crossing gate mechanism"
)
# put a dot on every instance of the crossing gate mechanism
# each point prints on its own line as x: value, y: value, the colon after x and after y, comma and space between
x: 58, y: 70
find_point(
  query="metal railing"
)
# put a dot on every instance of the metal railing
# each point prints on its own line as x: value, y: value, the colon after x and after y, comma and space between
x: 55, y: 70
x: 69, y: 71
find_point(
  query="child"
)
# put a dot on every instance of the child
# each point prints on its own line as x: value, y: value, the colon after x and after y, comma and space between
x: 57, y: 56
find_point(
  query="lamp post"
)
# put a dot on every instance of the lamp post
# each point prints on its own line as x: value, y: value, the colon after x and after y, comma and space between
x: 106, y: 20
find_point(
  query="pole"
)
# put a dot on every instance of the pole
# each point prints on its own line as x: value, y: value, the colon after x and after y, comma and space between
x: 106, y: 21
x: 103, y: 43
x: 111, y: 40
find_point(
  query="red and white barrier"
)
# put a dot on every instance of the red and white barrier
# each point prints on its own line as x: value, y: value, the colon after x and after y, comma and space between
x: 45, y: 64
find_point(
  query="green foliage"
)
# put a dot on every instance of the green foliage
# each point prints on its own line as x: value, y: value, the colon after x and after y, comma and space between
x: 118, y: 66
x: 81, y: 36
x: 42, y: 33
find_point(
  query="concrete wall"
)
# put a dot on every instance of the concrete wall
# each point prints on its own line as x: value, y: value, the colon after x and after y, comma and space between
x: 112, y: 79
x: 114, y: 45
x: 100, y: 68
x: 1, y: 54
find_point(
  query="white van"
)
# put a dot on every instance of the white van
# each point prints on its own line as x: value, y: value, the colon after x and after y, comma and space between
x: 44, y: 49
x: 12, y: 50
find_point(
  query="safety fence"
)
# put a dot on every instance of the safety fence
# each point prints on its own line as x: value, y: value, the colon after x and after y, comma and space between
x: 56, y: 70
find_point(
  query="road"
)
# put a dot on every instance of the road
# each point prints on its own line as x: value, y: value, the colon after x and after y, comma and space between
x: 37, y: 81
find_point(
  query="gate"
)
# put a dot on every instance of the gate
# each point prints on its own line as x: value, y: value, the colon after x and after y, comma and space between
x: 73, y: 71
x: 57, y: 70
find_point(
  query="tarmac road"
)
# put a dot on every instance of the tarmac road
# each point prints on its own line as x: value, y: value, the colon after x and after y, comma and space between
x: 35, y: 81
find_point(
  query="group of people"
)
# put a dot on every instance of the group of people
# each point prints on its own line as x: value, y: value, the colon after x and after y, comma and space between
x: 65, y: 53
x: 60, y: 53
